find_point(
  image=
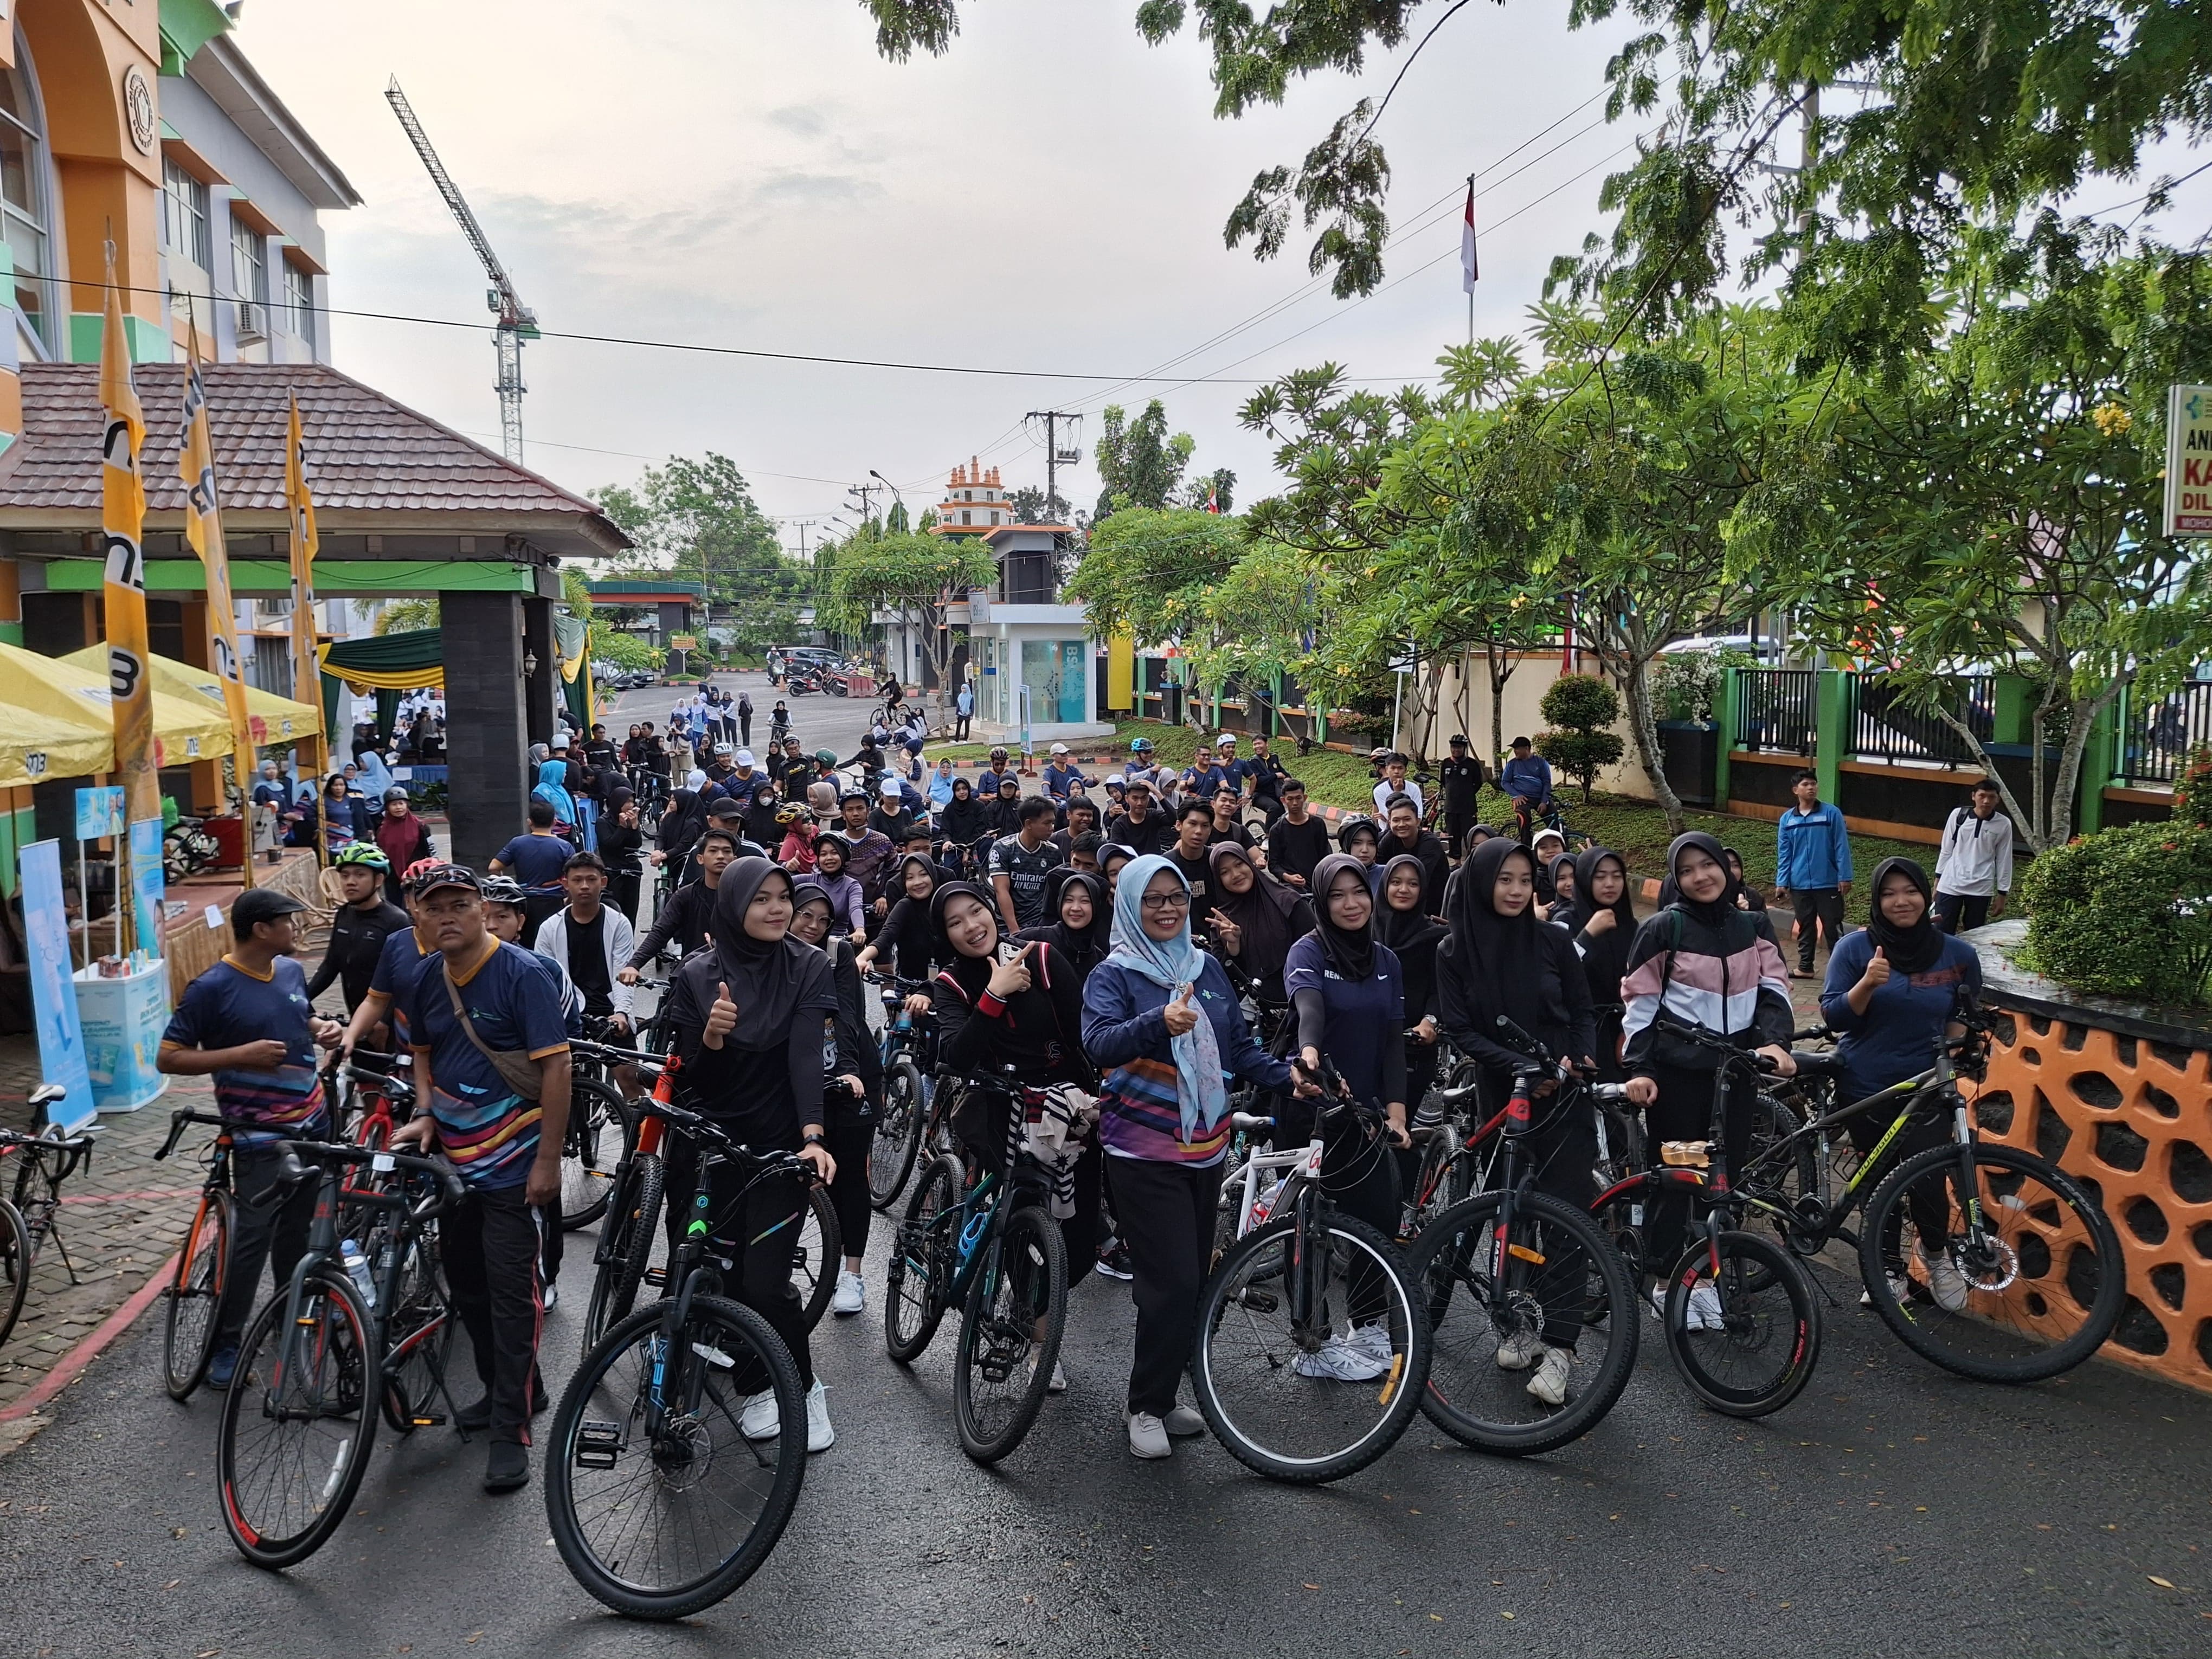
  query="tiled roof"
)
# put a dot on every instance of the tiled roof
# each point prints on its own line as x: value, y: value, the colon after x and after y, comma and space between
x: 365, y: 454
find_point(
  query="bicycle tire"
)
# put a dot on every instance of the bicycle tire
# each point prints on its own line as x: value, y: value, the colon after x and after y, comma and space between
x: 14, y: 1267
x: 2054, y: 1275
x: 193, y: 1295
x: 345, y: 1339
x: 419, y: 1337
x: 1229, y: 1290
x: 729, y: 1326
x: 1463, y: 1360
x: 920, y: 1271
x: 586, y: 1176
x: 1029, y: 1264
x: 614, y: 1286
x: 1751, y: 1265
x: 898, y: 1133
x: 822, y: 1242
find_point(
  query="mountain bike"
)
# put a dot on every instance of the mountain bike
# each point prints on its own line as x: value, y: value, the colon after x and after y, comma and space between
x: 195, y: 1290
x: 601, y: 1127
x: 1509, y: 1271
x: 908, y: 1053
x: 990, y: 1248
x: 44, y: 1162
x: 1302, y: 1278
x: 658, y: 1502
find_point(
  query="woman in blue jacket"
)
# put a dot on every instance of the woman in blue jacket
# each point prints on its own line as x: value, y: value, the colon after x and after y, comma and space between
x: 1161, y: 1020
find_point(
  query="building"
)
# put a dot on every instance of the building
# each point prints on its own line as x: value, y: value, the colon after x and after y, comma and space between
x: 975, y: 501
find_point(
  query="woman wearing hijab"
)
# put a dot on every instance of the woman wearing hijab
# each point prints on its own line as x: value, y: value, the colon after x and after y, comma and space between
x: 1700, y: 962
x: 749, y: 1015
x: 844, y: 897
x: 1501, y: 961
x: 761, y: 827
x: 1405, y: 926
x: 1604, y: 923
x: 1559, y: 874
x: 1075, y: 900
x: 848, y: 1116
x: 1113, y: 857
x: 964, y: 821
x: 622, y: 842
x: 1162, y: 1017
x: 1253, y: 919
x: 1360, y: 838
x: 405, y: 838
x: 1349, y: 992
x: 553, y: 786
x: 375, y: 775
x: 345, y: 815
x: 1006, y: 810
x: 677, y: 832
x: 907, y: 937
x: 1890, y: 991
x: 1746, y: 897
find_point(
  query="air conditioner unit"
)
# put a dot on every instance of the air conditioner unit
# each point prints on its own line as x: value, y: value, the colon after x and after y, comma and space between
x: 253, y: 321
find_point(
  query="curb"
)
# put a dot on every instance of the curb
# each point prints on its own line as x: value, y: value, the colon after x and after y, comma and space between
x: 72, y: 1365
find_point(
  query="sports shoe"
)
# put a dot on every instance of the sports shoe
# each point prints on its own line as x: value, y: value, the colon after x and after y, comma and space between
x: 507, y: 1466
x: 1656, y: 1299
x: 1900, y: 1291
x: 760, y: 1420
x: 1184, y: 1420
x: 550, y: 1300
x: 1337, y: 1361
x: 820, y: 1437
x: 1374, y: 1341
x: 1058, y: 1382
x: 1946, y: 1284
x: 1704, y: 1313
x: 1148, y: 1437
x: 1114, y: 1262
x: 222, y: 1365
x: 851, y: 1295
x: 1519, y: 1351
x: 1549, y: 1385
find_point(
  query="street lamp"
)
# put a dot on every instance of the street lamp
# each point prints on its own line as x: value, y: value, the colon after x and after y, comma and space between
x: 889, y: 485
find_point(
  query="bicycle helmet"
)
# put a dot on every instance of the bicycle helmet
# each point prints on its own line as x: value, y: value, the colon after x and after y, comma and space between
x: 366, y: 854
x: 999, y: 753
x: 792, y: 813
x: 1141, y: 746
x: 504, y: 890
x: 421, y: 867
x: 826, y: 757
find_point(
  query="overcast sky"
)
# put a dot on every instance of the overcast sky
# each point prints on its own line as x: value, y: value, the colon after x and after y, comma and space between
x: 1049, y: 195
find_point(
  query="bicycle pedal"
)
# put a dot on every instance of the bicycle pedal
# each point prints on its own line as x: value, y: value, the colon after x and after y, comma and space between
x: 598, y: 1445
x: 656, y: 1276
x: 432, y: 1422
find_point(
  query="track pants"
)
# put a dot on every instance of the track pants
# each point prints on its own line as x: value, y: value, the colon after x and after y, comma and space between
x: 1165, y: 1214
x: 490, y: 1245
x: 261, y: 1231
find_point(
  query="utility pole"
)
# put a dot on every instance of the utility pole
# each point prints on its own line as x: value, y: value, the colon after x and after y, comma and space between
x: 1054, y: 457
x: 866, y: 493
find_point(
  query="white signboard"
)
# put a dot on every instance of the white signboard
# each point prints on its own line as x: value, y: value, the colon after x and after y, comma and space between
x: 2189, y: 461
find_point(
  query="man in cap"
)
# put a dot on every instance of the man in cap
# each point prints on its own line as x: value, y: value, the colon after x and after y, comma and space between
x: 1061, y: 775
x: 1461, y: 777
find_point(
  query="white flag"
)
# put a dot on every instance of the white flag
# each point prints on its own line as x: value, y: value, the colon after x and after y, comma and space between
x: 1468, y: 275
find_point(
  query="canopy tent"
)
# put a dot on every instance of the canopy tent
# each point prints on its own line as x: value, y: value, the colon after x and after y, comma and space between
x: 392, y: 663
x: 275, y: 719
x: 59, y: 724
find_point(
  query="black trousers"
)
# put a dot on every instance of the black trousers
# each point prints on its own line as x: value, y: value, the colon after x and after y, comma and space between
x: 1820, y: 905
x: 960, y: 727
x: 849, y: 1143
x: 491, y: 1244
x: 1684, y: 1111
x: 1165, y: 1213
x: 745, y: 728
x: 759, y: 1236
x: 552, y: 1242
x: 1456, y: 824
x: 1931, y: 1212
x: 261, y: 1230
x: 1563, y: 1147
x: 1956, y: 912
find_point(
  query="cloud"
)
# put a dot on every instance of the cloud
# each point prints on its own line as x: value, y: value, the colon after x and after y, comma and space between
x: 796, y: 186
x: 803, y: 120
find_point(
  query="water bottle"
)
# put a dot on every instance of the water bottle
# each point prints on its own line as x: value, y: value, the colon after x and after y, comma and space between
x: 972, y: 1235
x: 356, y: 1264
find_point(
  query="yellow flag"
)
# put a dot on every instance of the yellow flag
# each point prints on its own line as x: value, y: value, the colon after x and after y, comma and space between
x: 122, y: 524
x: 203, y: 530
x: 307, y: 665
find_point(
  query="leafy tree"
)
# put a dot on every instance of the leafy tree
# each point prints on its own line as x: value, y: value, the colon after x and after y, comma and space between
x: 406, y: 616
x: 695, y: 519
x: 913, y: 577
x: 1139, y: 464
x: 1219, y: 487
x: 895, y: 521
x: 1151, y: 570
x: 625, y: 651
x: 1033, y: 506
x: 1582, y: 709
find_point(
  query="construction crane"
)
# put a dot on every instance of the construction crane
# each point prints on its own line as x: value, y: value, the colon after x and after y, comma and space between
x: 517, y: 321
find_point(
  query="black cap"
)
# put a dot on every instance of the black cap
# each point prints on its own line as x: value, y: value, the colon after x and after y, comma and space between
x: 1459, y: 740
x: 446, y: 875
x: 260, y: 904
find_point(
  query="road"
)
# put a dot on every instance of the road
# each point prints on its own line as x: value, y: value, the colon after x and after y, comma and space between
x: 820, y: 721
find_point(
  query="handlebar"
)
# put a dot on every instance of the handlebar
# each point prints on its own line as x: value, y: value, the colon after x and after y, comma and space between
x: 452, y: 1191
x: 1700, y: 1038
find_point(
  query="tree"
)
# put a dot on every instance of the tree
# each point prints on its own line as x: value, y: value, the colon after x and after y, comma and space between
x: 1582, y: 709
x: 406, y: 616
x: 695, y: 519
x: 1213, y: 492
x: 1033, y: 506
x: 1138, y: 463
x: 1151, y: 571
x: 913, y: 577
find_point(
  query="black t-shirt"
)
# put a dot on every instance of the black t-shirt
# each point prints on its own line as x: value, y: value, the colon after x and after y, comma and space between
x: 587, y: 961
x: 1025, y: 872
x: 1294, y: 849
x: 1155, y: 834
x: 1462, y: 778
x: 1195, y: 871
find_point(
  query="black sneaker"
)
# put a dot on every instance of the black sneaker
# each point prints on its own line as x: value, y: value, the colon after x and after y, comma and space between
x: 476, y: 1418
x: 507, y: 1468
x: 1114, y: 1262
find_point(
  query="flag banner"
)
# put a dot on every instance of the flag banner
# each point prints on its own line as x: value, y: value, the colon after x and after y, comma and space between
x: 306, y: 664
x: 203, y: 530
x: 123, y: 592
x: 1469, y: 273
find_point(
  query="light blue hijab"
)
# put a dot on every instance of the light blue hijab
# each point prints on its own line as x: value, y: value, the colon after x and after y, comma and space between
x: 553, y: 786
x: 375, y: 775
x: 1170, y: 963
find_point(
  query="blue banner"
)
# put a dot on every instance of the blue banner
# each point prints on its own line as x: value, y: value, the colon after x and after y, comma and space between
x: 149, y: 884
x: 99, y: 813
x: 53, y: 996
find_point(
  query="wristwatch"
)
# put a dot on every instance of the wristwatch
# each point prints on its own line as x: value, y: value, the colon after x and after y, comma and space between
x: 812, y: 1140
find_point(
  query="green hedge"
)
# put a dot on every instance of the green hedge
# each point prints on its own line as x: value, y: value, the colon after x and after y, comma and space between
x: 2125, y: 913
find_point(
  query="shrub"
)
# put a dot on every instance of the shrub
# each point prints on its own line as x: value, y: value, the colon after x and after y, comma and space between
x: 2125, y: 913
x: 1581, y: 708
x: 2192, y: 791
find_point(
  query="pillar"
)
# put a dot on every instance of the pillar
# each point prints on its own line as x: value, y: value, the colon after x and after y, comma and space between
x: 2097, y: 769
x: 1725, y: 706
x: 487, y: 731
x: 1831, y: 724
x: 542, y: 689
x: 2013, y: 714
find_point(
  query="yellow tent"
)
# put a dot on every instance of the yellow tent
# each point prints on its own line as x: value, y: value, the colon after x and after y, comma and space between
x: 276, y: 720
x: 60, y: 723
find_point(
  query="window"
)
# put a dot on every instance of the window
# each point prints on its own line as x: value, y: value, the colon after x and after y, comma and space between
x: 966, y: 517
x: 300, y: 301
x: 184, y: 215
x: 23, y: 198
x: 249, y: 275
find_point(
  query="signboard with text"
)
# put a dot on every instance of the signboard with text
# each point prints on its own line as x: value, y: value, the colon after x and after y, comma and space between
x: 2189, y: 461
x: 99, y: 813
x: 53, y: 996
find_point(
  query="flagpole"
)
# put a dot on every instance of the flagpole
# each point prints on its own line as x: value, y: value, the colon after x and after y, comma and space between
x: 307, y: 665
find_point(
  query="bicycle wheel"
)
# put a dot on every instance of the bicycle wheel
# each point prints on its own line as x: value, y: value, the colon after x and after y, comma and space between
x: 1261, y: 1372
x: 419, y: 1338
x: 920, y: 1272
x: 600, y: 1130
x: 657, y: 1503
x: 1010, y: 1335
x: 1744, y: 1330
x: 817, y: 1256
x: 1475, y: 1396
x: 15, y: 1268
x: 188, y: 1333
x: 636, y: 1223
x: 2024, y: 1282
x: 296, y: 1428
x: 898, y: 1133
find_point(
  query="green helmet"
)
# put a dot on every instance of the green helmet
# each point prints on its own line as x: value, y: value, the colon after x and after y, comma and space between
x: 826, y: 757
x: 367, y: 854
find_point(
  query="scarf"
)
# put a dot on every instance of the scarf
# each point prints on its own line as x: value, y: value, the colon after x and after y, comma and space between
x: 400, y: 838
x: 1912, y: 950
x: 1574, y: 873
x: 1082, y: 948
x: 1585, y: 907
x: 1406, y: 930
x: 1499, y: 954
x: 771, y: 980
x: 1350, y: 951
x: 375, y: 775
x: 553, y: 786
x: 1716, y: 913
x: 1171, y: 964
x: 970, y: 974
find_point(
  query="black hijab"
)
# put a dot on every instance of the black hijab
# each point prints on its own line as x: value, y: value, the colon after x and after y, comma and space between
x: 1350, y: 953
x: 1716, y: 913
x: 1586, y: 906
x: 1406, y: 930
x: 1081, y: 948
x: 1352, y: 827
x: 771, y: 980
x: 970, y: 974
x: 1262, y: 912
x: 1912, y: 950
x: 1574, y: 870
x: 1499, y: 953
x: 965, y: 818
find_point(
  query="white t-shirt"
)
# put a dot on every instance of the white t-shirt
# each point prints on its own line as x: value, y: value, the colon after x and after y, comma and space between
x: 1385, y: 789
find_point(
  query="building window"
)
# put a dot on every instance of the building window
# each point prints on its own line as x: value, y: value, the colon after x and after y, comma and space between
x: 249, y: 275
x: 300, y: 302
x: 966, y: 516
x: 23, y: 198
x: 185, y: 216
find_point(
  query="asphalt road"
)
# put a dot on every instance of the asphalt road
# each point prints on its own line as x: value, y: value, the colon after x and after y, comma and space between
x: 820, y: 720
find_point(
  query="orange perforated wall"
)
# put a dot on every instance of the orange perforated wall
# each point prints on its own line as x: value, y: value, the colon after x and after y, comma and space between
x: 2135, y: 1118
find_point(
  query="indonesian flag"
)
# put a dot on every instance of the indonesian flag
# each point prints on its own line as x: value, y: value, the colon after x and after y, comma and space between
x: 1212, y: 500
x: 1469, y: 274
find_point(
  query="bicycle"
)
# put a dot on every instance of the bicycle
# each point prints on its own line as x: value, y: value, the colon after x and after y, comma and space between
x: 599, y: 1120
x: 27, y: 1218
x: 649, y: 1451
x: 1275, y: 1299
x: 909, y: 1048
x: 1508, y: 1268
x: 992, y: 1248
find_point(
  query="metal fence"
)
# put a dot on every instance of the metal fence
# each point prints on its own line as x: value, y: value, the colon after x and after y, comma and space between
x: 1885, y: 726
x: 1775, y: 710
x: 2156, y: 735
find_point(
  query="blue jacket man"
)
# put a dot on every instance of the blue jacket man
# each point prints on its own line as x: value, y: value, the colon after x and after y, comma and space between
x: 1525, y: 779
x: 1812, y: 866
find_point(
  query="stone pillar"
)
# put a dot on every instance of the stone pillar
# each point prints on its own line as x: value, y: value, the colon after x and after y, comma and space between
x: 537, y: 642
x: 487, y: 733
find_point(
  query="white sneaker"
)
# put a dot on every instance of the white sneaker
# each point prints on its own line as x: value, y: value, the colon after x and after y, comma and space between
x: 760, y: 1420
x: 1519, y: 1351
x: 1337, y: 1361
x: 1703, y: 1312
x: 1058, y: 1383
x: 851, y: 1295
x: 1900, y: 1287
x: 1946, y: 1284
x: 1656, y: 1297
x: 1374, y: 1340
x: 1549, y: 1385
x: 550, y: 1299
x: 820, y: 1437
x: 1184, y: 1420
x: 1148, y: 1436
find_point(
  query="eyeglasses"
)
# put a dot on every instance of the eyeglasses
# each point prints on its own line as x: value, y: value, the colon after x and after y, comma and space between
x: 1167, y: 901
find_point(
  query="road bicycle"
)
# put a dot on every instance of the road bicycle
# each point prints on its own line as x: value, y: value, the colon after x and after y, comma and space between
x: 990, y: 1248
x: 28, y: 1215
x: 908, y: 1047
x: 1302, y: 1285
x: 601, y: 1126
x: 660, y: 1501
x: 337, y: 1346
x: 1509, y: 1271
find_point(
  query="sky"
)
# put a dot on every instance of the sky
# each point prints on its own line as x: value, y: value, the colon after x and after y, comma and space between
x: 1047, y: 197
